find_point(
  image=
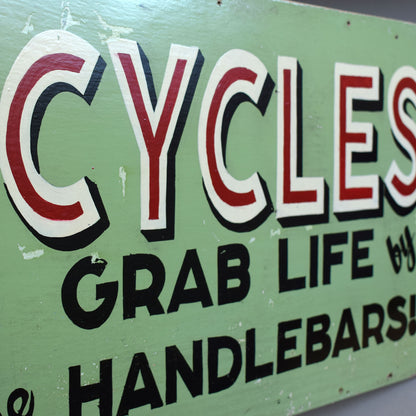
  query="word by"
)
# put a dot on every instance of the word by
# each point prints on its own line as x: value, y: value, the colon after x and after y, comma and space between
x: 403, y: 248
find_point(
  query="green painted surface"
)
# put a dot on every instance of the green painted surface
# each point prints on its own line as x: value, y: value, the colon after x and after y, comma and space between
x: 39, y: 343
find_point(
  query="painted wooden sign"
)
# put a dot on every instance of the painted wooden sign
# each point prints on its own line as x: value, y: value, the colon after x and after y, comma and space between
x: 207, y: 207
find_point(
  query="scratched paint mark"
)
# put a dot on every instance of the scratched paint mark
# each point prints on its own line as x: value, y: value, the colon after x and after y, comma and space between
x: 273, y: 233
x: 28, y: 26
x: 67, y: 20
x: 215, y: 236
x: 291, y: 410
x: 252, y: 240
x: 309, y: 228
x: 116, y: 31
x: 123, y: 176
x: 31, y: 254
x: 95, y: 258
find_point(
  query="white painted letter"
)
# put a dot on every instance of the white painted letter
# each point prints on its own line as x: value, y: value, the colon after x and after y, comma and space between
x: 156, y: 123
x: 68, y: 217
x: 238, y: 76
x: 354, y: 193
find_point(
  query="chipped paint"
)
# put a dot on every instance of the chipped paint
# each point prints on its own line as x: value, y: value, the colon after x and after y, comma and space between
x: 31, y: 254
x: 94, y: 258
x: 273, y: 233
x: 116, y: 31
x: 67, y: 20
x: 123, y: 176
x: 28, y: 26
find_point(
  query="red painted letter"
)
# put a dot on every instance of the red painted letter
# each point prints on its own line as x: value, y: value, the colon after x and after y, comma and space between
x: 156, y: 125
x: 238, y: 76
x: 402, y: 89
x: 297, y: 196
x: 55, y: 61
x: 354, y: 193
